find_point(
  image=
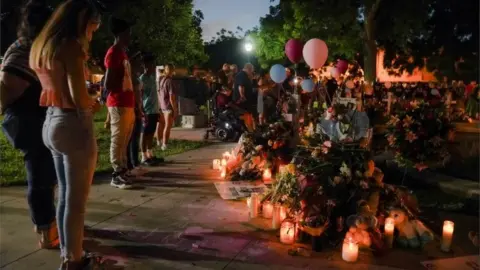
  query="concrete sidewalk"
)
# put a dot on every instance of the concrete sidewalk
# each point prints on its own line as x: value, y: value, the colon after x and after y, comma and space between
x: 175, y: 219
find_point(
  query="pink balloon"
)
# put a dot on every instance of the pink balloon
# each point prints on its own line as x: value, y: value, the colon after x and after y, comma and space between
x: 342, y: 66
x: 335, y: 72
x: 315, y: 53
x: 293, y: 50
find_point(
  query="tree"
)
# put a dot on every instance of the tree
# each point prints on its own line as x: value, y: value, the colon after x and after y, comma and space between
x: 170, y: 29
x: 404, y: 29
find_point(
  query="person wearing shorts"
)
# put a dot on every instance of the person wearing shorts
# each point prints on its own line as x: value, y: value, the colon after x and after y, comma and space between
x: 151, y: 110
x: 168, y: 105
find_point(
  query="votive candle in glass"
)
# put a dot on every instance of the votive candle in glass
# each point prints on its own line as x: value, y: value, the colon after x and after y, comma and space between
x: 254, y: 203
x: 267, y: 176
x: 389, y: 228
x: 283, y: 213
x: 287, y: 232
x: 267, y: 210
x: 447, y: 235
x: 216, y: 164
x: 224, y: 162
x: 349, y: 250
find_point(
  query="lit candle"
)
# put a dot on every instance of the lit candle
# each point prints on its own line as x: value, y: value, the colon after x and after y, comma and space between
x: 267, y: 176
x: 389, y: 228
x: 267, y: 210
x: 447, y: 235
x: 287, y: 233
x: 253, y: 203
x: 216, y: 164
x: 349, y: 251
x: 276, y: 217
x: 223, y: 172
x: 283, y: 213
x: 224, y: 162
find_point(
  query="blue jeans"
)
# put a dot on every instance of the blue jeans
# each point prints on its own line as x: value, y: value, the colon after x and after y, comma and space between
x: 24, y: 132
x: 70, y: 136
x: 134, y: 145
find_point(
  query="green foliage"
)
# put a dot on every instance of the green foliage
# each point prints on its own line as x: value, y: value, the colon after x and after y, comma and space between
x: 439, y: 30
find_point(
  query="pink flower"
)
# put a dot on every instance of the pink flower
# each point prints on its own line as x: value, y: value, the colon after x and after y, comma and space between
x: 393, y: 120
x: 411, y: 136
x: 327, y: 144
x: 408, y: 121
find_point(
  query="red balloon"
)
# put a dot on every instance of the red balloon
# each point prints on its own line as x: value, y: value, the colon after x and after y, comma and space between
x: 342, y: 66
x: 293, y: 50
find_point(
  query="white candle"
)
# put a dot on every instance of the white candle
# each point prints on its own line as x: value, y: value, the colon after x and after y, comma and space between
x: 267, y: 176
x: 216, y: 164
x: 283, y: 213
x: 287, y: 233
x: 223, y: 172
x: 349, y: 251
x: 447, y: 235
x: 389, y: 228
x: 224, y: 162
x: 276, y: 217
x: 267, y: 210
x: 253, y: 203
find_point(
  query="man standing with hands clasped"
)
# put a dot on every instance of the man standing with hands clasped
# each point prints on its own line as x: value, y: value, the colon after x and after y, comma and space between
x: 120, y: 101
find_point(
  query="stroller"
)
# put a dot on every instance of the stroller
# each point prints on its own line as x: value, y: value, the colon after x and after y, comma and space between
x: 225, y: 123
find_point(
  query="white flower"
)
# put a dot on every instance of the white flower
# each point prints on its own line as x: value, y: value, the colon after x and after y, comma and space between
x: 345, y: 170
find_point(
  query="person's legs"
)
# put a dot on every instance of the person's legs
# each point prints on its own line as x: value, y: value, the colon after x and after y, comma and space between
x: 133, y: 145
x: 70, y: 135
x: 121, y: 121
x: 160, y: 129
x: 147, y: 136
x: 168, y: 118
x: 24, y: 132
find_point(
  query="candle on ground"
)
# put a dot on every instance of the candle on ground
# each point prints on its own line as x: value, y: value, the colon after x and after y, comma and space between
x: 283, y: 213
x: 287, y: 233
x: 253, y: 203
x: 267, y: 176
x: 389, y: 228
x: 447, y: 235
x: 276, y: 217
x: 224, y: 162
x: 216, y: 164
x: 267, y: 210
x: 349, y: 251
x: 223, y: 172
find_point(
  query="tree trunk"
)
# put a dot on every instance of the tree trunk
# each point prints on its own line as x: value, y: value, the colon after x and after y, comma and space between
x: 370, y: 61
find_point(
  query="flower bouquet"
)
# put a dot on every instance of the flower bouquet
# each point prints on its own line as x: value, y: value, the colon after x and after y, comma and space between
x: 418, y: 132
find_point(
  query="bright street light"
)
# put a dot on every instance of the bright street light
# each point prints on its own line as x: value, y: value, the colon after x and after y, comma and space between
x: 248, y: 47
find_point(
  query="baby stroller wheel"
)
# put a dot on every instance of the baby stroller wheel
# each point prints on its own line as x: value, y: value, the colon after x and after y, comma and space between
x: 221, y: 134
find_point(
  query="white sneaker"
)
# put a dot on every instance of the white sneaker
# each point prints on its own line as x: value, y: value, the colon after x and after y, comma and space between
x: 164, y: 147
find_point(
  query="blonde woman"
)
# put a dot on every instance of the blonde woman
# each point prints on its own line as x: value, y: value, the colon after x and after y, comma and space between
x: 58, y: 57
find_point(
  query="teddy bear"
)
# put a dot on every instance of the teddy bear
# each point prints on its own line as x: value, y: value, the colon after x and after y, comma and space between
x: 360, y: 225
x: 412, y: 233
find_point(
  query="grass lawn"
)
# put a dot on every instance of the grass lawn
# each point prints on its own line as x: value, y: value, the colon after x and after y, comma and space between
x: 12, y: 170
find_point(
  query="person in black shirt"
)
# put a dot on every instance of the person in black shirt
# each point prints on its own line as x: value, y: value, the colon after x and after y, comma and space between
x: 244, y: 96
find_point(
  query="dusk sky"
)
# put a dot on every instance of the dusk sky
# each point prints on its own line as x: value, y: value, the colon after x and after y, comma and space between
x: 229, y: 14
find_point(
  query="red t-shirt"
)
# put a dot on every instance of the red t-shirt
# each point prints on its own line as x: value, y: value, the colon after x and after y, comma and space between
x: 122, y: 96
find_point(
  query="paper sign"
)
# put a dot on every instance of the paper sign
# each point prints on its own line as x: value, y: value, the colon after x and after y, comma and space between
x: 229, y: 190
x: 459, y: 263
x: 346, y: 101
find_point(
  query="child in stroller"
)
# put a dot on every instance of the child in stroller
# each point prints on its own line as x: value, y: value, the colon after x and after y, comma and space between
x: 225, y: 123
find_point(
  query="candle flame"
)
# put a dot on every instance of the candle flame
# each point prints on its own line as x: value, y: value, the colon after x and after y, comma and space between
x: 224, y: 162
x: 267, y: 174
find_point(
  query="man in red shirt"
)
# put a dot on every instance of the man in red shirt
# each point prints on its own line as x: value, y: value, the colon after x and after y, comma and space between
x: 120, y: 101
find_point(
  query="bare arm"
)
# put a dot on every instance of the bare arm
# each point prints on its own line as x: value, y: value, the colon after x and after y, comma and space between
x: 75, y: 69
x: 11, y: 88
x: 241, y: 90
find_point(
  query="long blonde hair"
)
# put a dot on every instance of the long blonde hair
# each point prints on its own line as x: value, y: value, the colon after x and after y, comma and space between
x: 68, y: 23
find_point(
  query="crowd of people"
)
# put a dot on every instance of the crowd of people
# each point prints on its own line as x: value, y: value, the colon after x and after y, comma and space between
x: 48, y: 115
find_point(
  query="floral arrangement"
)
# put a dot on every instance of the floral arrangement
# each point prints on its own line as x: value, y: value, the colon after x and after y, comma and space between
x: 418, y: 132
x: 262, y: 149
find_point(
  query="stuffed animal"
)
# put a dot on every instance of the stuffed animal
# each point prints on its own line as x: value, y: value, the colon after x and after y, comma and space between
x: 361, y: 224
x: 412, y: 233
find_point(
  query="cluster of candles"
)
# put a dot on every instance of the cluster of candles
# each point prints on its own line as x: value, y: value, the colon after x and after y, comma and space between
x: 221, y: 164
x: 350, y: 248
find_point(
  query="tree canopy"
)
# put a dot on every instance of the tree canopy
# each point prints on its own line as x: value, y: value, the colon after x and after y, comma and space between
x: 409, y: 31
x: 168, y: 28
